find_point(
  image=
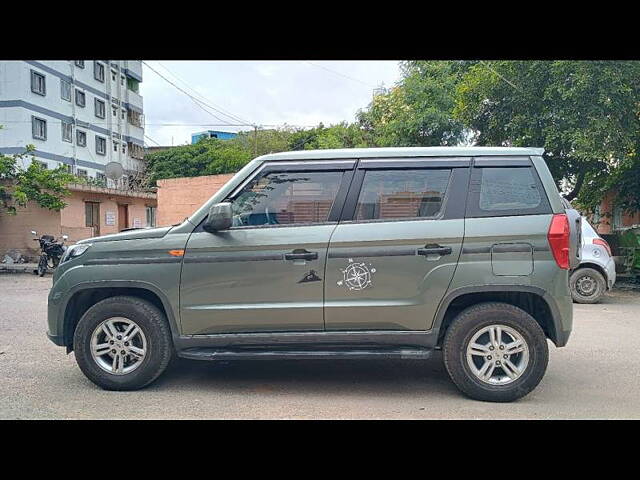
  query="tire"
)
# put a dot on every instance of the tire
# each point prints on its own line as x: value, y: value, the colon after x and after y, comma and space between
x: 515, y: 323
x: 595, y: 283
x: 42, y: 266
x: 155, y: 332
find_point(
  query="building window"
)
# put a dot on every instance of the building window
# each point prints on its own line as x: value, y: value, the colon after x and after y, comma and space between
x: 135, y: 118
x: 67, y: 167
x: 65, y: 90
x: 81, y: 138
x: 38, y: 83
x: 91, y: 211
x: 101, y: 178
x: 98, y: 71
x: 100, y: 108
x: 79, y: 63
x: 133, y: 84
x: 123, y: 113
x: 617, y: 218
x: 122, y: 80
x: 115, y: 146
x: 80, y: 98
x: 114, y: 110
x: 82, y: 174
x: 44, y: 165
x: 114, y: 76
x: 151, y: 216
x: 135, y: 151
x: 101, y: 145
x: 67, y: 132
x: 39, y: 128
x: 124, y: 148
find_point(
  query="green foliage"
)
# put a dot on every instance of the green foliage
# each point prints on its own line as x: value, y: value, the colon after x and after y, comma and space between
x: 21, y: 185
x: 342, y: 135
x: 418, y: 111
x: 584, y: 113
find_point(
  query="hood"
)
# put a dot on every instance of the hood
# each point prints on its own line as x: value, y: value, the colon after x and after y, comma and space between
x: 139, y: 233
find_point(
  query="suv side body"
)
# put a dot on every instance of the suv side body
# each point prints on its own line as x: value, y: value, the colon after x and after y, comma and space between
x: 351, y: 281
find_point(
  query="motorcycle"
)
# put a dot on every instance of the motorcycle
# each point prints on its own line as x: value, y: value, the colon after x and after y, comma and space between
x: 52, y: 251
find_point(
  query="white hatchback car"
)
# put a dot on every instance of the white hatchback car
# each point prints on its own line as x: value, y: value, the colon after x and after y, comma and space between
x: 597, y: 270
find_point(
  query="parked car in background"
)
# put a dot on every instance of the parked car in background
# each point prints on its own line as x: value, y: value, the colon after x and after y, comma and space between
x: 597, y: 270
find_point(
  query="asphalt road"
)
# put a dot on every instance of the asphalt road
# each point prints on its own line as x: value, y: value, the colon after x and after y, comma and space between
x: 595, y: 376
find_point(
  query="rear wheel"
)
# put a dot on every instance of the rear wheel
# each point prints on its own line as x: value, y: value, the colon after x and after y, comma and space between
x: 587, y: 285
x: 123, y: 343
x: 42, y: 265
x: 495, y: 352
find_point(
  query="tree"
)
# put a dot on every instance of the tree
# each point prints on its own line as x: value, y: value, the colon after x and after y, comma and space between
x: 20, y: 185
x: 584, y: 114
x: 419, y: 110
x: 341, y: 135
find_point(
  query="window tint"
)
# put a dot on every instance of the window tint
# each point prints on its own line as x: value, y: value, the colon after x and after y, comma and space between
x: 286, y: 198
x: 393, y: 194
x: 508, y: 189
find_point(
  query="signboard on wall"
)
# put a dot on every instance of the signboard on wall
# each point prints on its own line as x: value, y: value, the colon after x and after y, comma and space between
x: 110, y: 218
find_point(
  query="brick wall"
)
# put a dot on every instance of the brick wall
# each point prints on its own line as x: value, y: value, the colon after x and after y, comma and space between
x: 178, y: 198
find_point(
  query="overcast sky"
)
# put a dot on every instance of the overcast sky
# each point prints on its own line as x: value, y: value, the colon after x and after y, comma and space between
x: 262, y: 92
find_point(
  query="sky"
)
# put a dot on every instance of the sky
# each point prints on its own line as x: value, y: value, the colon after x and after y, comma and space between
x: 266, y: 93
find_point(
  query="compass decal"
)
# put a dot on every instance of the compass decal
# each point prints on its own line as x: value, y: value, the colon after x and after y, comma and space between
x: 357, y: 275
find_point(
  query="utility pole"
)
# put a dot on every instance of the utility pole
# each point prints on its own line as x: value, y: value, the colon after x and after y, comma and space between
x: 255, y: 140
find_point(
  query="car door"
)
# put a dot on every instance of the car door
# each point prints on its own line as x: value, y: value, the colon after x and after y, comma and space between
x: 394, y: 253
x: 266, y: 273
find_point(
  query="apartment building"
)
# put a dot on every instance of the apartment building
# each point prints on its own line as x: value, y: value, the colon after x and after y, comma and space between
x: 79, y: 113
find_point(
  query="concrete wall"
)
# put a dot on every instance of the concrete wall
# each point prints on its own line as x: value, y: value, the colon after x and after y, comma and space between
x: 15, y: 230
x: 178, y: 198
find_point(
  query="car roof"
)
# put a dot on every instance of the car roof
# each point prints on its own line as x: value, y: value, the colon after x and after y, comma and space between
x: 400, y: 152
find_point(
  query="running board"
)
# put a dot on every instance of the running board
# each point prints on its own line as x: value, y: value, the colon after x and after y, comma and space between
x: 213, y: 354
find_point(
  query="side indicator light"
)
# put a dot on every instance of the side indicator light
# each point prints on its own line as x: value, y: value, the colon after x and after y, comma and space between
x: 176, y: 253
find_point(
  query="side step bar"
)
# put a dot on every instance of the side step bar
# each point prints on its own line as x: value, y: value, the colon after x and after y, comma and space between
x: 213, y: 354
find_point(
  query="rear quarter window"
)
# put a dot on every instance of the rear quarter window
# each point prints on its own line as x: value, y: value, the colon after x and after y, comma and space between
x: 503, y: 191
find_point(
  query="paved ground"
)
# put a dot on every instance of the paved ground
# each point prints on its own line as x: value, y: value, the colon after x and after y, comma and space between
x: 595, y: 376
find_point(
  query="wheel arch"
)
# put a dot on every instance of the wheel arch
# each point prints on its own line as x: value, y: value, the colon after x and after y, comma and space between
x: 533, y: 300
x: 595, y: 266
x: 86, y: 294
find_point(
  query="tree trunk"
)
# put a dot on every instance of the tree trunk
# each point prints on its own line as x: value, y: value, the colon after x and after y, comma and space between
x: 576, y: 188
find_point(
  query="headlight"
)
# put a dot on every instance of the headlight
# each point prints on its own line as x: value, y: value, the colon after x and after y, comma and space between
x: 74, y: 251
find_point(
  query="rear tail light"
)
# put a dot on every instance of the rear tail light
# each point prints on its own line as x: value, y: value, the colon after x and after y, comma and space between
x: 558, y: 237
x: 602, y: 243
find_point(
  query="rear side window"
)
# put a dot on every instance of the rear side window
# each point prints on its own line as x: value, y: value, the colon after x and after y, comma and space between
x: 287, y: 198
x: 397, y: 194
x: 502, y: 191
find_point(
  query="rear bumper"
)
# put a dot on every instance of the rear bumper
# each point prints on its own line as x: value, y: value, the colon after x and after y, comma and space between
x: 610, y: 268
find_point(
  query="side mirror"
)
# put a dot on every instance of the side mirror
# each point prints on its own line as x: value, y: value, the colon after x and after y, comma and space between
x: 65, y: 237
x: 220, y: 218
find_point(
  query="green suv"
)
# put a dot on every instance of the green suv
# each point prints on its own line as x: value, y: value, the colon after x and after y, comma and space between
x: 357, y: 253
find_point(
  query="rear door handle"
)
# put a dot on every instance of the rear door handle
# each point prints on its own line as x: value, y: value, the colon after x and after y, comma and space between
x: 434, y: 250
x: 301, y: 254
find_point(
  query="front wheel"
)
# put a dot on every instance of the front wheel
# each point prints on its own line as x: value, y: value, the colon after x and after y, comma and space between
x: 42, y: 265
x: 123, y: 343
x: 495, y: 352
x: 587, y: 285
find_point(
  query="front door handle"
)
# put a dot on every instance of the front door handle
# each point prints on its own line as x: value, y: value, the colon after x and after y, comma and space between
x: 434, y: 249
x: 301, y: 254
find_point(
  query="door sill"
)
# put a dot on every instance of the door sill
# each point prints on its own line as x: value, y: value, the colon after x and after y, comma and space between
x: 338, y: 354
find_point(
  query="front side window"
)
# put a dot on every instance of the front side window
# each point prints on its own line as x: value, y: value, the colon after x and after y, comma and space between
x: 508, y: 189
x: 39, y: 128
x: 100, y: 108
x: 285, y: 198
x: 98, y: 71
x: 67, y: 132
x: 101, y: 145
x: 38, y: 83
x: 396, y: 194
x: 65, y: 90
x: 80, y: 98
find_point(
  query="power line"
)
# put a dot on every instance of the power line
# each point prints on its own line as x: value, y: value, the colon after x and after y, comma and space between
x: 341, y: 74
x: 229, y: 114
x: 148, y: 137
x: 198, y: 102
